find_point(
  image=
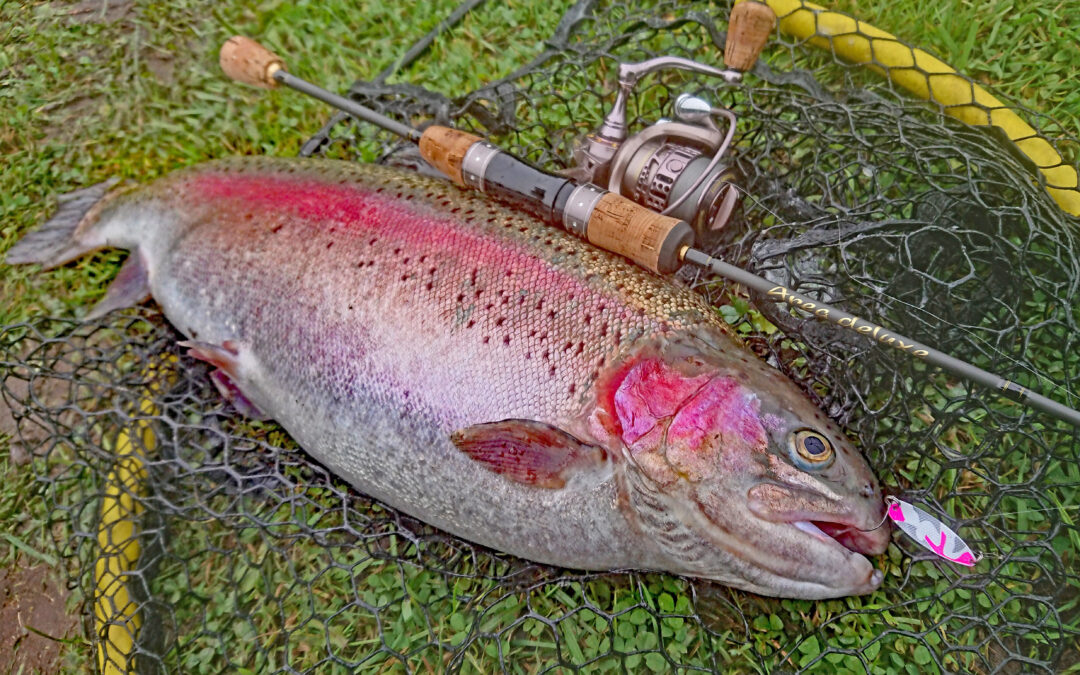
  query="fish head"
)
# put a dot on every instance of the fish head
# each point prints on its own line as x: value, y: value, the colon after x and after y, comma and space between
x: 738, y: 477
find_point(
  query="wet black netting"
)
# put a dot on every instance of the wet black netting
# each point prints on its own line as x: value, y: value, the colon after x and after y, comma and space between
x: 206, y: 543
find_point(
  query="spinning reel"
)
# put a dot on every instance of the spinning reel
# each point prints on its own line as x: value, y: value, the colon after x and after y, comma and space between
x: 679, y: 168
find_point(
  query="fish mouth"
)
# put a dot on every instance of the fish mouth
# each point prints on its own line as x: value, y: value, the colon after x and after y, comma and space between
x: 829, y: 539
x: 846, y: 534
x: 831, y: 523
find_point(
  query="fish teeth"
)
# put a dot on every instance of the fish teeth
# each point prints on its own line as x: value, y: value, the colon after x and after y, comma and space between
x: 810, y: 528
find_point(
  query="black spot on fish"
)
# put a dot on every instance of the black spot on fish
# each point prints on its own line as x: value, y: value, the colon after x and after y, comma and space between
x: 487, y: 339
x: 328, y: 245
x: 506, y: 340
x: 275, y: 228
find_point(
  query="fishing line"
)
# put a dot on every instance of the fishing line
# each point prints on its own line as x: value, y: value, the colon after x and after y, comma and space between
x: 1042, y: 379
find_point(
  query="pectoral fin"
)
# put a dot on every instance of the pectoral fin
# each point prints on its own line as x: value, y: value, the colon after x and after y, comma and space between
x: 528, y: 452
x: 227, y: 376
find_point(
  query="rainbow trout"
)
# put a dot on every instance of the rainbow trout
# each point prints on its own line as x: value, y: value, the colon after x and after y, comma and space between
x: 489, y: 374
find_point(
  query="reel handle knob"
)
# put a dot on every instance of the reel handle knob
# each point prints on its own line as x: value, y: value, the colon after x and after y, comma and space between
x: 247, y: 61
x: 749, y: 27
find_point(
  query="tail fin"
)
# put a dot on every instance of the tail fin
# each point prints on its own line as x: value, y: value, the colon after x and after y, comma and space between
x: 56, y: 242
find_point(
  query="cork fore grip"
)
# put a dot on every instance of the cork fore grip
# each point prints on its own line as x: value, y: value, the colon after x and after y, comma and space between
x: 444, y: 148
x: 247, y: 61
x: 646, y: 237
x: 749, y: 27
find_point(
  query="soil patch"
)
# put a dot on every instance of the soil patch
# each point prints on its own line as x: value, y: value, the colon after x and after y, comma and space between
x: 101, y: 11
x: 33, y: 606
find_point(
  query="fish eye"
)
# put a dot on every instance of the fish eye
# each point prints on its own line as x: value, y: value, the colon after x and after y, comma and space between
x: 813, y: 447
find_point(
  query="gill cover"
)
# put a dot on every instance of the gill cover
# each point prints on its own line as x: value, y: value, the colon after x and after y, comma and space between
x: 740, y: 477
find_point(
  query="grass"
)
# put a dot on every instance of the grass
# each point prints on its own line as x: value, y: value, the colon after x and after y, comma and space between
x: 91, y: 90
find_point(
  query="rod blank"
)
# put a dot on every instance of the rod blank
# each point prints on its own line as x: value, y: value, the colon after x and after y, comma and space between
x: 884, y: 336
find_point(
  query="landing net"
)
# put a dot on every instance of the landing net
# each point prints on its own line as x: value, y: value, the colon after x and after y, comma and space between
x: 204, y: 543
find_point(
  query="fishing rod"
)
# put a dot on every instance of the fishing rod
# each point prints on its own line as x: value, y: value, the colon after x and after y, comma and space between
x: 660, y: 243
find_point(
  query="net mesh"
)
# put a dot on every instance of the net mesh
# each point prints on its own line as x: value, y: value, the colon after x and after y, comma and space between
x: 203, y: 542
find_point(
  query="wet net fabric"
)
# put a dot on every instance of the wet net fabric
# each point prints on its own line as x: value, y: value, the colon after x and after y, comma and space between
x: 235, y: 552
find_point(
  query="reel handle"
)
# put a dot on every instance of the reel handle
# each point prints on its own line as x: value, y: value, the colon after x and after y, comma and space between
x: 749, y: 27
x: 247, y: 61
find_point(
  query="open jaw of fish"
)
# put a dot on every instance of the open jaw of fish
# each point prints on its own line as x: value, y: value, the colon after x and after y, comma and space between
x: 487, y: 374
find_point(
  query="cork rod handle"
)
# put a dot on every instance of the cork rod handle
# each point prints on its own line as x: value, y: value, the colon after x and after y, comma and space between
x: 444, y: 148
x: 247, y: 61
x: 748, y: 30
x: 646, y: 237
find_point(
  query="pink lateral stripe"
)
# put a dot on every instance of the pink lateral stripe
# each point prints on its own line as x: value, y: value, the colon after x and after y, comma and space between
x: 353, y: 207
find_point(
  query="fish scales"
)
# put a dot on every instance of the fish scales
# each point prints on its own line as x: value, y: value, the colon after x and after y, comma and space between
x: 551, y: 309
x: 493, y: 376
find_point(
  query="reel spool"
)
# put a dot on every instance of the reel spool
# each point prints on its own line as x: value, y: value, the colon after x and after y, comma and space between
x: 678, y: 168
